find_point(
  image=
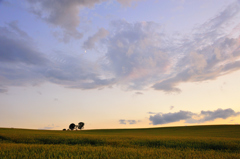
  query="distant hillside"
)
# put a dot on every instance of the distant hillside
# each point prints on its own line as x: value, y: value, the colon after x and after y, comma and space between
x: 228, y: 131
x: 231, y: 131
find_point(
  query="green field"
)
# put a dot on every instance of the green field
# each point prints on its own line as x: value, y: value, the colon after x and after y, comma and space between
x: 222, y: 141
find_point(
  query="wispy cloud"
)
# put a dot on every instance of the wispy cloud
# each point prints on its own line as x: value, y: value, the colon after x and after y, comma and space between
x: 90, y: 43
x: 14, y: 47
x: 21, y: 64
x: 138, y: 55
x: 141, y: 54
x: 49, y: 127
x: 133, y: 54
x: 208, y: 53
x: 123, y: 121
x: 65, y: 14
x: 152, y: 113
x: 61, y: 13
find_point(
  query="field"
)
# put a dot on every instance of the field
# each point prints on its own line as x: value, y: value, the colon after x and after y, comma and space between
x: 219, y: 141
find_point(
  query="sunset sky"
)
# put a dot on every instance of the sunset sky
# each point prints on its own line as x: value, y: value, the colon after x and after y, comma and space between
x: 119, y: 63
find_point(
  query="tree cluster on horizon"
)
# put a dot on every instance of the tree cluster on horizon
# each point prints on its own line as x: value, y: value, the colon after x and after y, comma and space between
x: 72, y: 126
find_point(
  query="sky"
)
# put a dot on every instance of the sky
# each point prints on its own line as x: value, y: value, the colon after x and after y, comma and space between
x: 119, y: 63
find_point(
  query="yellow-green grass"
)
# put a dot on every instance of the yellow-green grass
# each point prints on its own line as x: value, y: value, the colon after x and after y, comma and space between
x: 222, y: 141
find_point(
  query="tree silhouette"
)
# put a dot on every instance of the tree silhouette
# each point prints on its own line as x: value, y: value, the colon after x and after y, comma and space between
x: 72, y: 126
x: 80, y: 125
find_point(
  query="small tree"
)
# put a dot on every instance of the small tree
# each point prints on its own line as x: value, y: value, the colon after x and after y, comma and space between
x: 72, y: 126
x: 80, y: 125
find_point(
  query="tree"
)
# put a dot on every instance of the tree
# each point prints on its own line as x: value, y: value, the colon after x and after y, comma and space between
x: 80, y: 125
x: 64, y: 129
x: 72, y: 126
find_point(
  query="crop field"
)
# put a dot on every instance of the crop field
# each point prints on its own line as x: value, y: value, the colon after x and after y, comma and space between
x: 219, y: 141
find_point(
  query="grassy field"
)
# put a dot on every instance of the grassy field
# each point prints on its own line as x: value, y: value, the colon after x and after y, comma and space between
x: 222, y: 141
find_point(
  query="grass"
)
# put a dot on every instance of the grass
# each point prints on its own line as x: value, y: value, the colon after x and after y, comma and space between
x: 222, y: 141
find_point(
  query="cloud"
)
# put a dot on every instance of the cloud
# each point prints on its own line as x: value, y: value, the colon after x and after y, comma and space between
x: 211, y: 51
x: 65, y: 14
x: 123, y: 121
x: 62, y: 13
x: 21, y: 64
x: 127, y: 2
x: 49, y: 127
x: 170, y: 117
x: 160, y: 118
x: 14, y: 26
x: 76, y: 72
x: 4, y: 2
x: 202, y: 72
x: 90, y: 43
x: 2, y: 90
x: 17, y: 51
x: 171, y: 107
x: 138, y: 55
x: 219, y: 113
x: 133, y: 53
x: 14, y: 49
x: 132, y: 122
x: 152, y: 113
x: 46, y: 128
x: 138, y: 93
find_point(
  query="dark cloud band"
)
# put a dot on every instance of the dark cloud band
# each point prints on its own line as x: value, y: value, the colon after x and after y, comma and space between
x: 160, y: 118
